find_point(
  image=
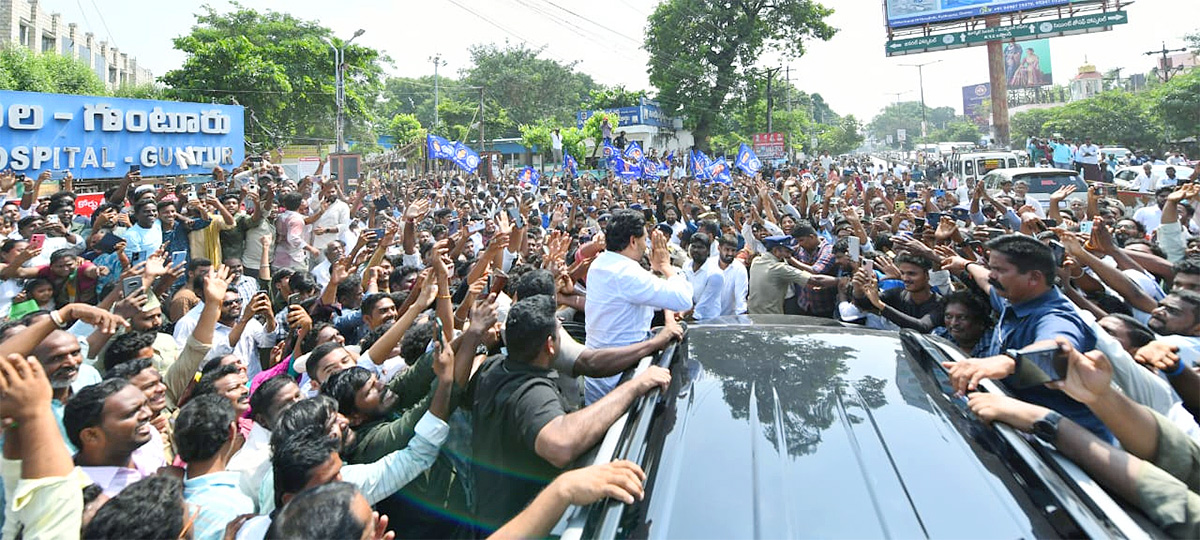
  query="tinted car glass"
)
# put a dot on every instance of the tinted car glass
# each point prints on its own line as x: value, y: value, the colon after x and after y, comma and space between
x: 1049, y: 183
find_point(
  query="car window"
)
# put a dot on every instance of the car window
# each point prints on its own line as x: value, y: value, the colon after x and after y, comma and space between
x: 991, y: 181
x: 968, y: 168
x: 1049, y: 183
x: 1126, y: 175
x: 1012, y: 163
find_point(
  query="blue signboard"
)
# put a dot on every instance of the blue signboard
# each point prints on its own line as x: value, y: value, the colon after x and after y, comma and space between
x: 646, y: 113
x: 902, y: 13
x: 100, y: 137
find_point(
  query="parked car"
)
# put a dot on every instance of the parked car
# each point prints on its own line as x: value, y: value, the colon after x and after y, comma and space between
x: 1122, y: 154
x: 1126, y: 177
x: 1042, y: 182
x: 794, y: 427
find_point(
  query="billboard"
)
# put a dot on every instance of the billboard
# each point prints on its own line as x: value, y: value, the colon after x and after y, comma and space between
x: 1027, y: 64
x: 973, y: 97
x: 770, y: 145
x: 101, y: 137
x: 1082, y: 24
x: 647, y: 112
x: 902, y: 13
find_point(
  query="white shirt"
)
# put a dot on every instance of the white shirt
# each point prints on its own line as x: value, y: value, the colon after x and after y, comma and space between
x: 253, y: 338
x: 707, y: 285
x: 1088, y: 154
x: 250, y: 459
x: 621, y: 300
x: 1144, y: 182
x: 320, y: 273
x: 1164, y: 181
x: 338, y: 215
x: 1149, y: 216
x: 735, y: 289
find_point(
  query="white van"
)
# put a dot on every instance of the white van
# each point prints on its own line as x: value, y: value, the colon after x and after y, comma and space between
x: 978, y: 164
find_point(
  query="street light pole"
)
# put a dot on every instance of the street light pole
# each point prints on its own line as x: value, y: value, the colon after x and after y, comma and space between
x: 339, y: 81
x: 921, y: 79
x: 437, y: 61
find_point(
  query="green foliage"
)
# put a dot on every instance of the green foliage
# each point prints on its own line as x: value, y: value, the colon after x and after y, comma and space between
x: 404, y: 128
x: 529, y: 87
x: 23, y: 70
x: 141, y: 91
x: 591, y: 127
x: 694, y: 80
x: 907, y: 116
x: 1177, y: 105
x: 537, y: 134
x: 573, y: 143
x: 612, y: 97
x: 956, y: 131
x: 278, y: 67
x: 1113, y: 117
x: 844, y: 137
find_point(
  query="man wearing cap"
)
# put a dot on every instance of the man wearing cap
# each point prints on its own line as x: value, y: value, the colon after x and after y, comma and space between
x: 774, y: 271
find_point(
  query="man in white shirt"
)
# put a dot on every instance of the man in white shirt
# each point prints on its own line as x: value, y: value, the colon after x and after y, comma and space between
x: 334, y: 251
x: 253, y: 335
x: 1150, y: 216
x: 1167, y: 181
x: 737, y: 283
x: 1145, y: 179
x: 1088, y: 156
x: 708, y: 282
x: 556, y: 147
x: 622, y: 296
x: 335, y: 220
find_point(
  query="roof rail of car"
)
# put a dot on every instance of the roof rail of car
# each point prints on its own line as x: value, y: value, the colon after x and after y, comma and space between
x: 1089, y: 506
x: 625, y: 439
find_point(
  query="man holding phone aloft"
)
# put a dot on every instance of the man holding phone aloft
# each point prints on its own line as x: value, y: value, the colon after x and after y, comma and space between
x: 1019, y: 279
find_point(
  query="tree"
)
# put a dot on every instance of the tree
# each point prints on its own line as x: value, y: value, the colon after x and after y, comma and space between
x: 529, y: 87
x: 537, y: 134
x: 695, y: 81
x: 23, y: 70
x: 955, y: 131
x: 612, y: 97
x: 842, y: 138
x: 141, y: 91
x: 591, y: 129
x: 1113, y: 117
x: 404, y: 128
x: 1176, y: 106
x: 280, y: 68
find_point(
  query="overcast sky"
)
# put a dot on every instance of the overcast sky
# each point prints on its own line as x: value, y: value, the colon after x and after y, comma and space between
x: 850, y: 71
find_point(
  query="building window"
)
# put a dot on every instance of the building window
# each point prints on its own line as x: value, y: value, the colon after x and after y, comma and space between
x: 48, y: 44
x: 112, y: 75
x: 25, y: 36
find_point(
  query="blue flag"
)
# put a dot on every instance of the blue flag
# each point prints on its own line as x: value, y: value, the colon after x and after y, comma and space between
x: 748, y: 161
x: 529, y: 177
x: 569, y: 164
x: 719, y: 170
x: 649, y: 168
x: 439, y: 147
x: 610, y: 152
x: 465, y: 158
x: 633, y: 152
x: 700, y: 164
x: 627, y: 169
x: 669, y: 158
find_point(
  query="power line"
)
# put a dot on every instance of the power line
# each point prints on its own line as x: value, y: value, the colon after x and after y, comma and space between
x: 103, y: 22
x: 585, y: 19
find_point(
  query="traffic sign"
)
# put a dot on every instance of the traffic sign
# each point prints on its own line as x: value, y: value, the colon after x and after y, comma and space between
x: 1037, y: 29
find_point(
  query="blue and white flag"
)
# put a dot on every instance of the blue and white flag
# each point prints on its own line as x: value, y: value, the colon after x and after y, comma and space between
x: 700, y: 164
x: 439, y: 147
x: 633, y: 151
x: 465, y: 158
x: 610, y: 152
x: 748, y: 161
x: 627, y: 169
x: 719, y: 170
x: 529, y: 177
x: 669, y: 158
x: 570, y: 165
x: 649, y: 169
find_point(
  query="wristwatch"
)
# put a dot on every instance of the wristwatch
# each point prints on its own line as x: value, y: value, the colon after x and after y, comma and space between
x: 1046, y: 429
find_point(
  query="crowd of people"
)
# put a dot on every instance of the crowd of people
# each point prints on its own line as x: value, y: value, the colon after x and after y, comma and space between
x: 256, y: 356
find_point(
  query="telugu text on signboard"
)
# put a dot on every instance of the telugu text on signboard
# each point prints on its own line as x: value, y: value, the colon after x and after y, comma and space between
x: 770, y: 145
x: 100, y: 137
x: 902, y: 13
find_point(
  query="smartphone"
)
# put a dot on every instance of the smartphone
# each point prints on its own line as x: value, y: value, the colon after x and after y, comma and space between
x: 108, y: 242
x: 933, y: 218
x: 855, y: 248
x: 911, y: 194
x: 960, y: 214
x: 378, y: 233
x: 212, y: 192
x: 1100, y: 191
x: 1039, y: 366
x: 514, y: 217
x: 939, y: 193
x: 899, y: 206
x: 131, y: 285
x: 1050, y: 223
x: 382, y: 203
x: 869, y: 265
x: 476, y: 227
x: 1085, y: 227
x: 52, y: 218
x: 135, y: 257
x: 178, y: 258
x: 1059, y: 251
x: 453, y: 227
x: 496, y: 283
x: 36, y: 241
x: 58, y: 175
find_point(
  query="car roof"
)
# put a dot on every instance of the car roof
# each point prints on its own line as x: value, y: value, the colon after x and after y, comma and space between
x: 1023, y: 171
x: 822, y: 432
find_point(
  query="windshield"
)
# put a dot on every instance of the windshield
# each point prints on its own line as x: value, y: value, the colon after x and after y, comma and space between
x: 1049, y: 183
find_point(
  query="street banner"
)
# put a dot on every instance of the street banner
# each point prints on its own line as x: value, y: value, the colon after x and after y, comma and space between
x: 101, y: 137
x: 973, y: 97
x: 1027, y: 64
x: 770, y: 145
x: 86, y: 204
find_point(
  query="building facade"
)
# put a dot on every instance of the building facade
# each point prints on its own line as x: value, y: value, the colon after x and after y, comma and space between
x: 25, y: 23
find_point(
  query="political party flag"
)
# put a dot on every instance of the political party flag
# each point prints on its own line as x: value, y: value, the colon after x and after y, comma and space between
x: 610, y: 152
x: 748, y: 161
x: 700, y: 165
x: 669, y: 158
x: 633, y: 151
x: 439, y: 147
x: 627, y: 169
x: 719, y: 170
x: 649, y: 169
x: 529, y: 177
x: 465, y: 158
x: 569, y: 164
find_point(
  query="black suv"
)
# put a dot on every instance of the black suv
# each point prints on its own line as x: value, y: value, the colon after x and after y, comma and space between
x: 789, y: 427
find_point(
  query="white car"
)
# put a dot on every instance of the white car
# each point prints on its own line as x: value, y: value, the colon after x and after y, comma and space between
x: 1041, y: 182
x: 1122, y: 154
x: 1126, y: 177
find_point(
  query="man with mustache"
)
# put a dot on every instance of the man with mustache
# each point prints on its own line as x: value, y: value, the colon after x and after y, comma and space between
x: 1019, y: 279
x: 110, y: 424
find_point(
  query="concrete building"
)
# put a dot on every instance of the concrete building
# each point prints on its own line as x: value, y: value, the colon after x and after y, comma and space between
x: 1087, y: 83
x: 25, y: 23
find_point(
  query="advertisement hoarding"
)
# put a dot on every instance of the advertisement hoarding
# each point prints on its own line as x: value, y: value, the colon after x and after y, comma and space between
x: 101, y: 137
x: 1083, y: 24
x: 974, y: 101
x: 902, y: 13
x: 1027, y: 64
x: 770, y: 145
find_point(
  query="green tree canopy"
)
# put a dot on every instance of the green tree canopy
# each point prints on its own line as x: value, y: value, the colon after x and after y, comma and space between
x: 404, y: 128
x: 23, y: 70
x: 907, y: 116
x: 612, y: 97
x: 281, y: 69
x: 1113, y: 117
x: 694, y: 80
x: 528, y: 87
x: 1177, y: 104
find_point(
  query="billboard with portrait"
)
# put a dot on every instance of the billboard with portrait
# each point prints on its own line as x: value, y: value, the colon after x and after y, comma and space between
x: 1027, y: 64
x: 974, y: 98
x: 903, y: 13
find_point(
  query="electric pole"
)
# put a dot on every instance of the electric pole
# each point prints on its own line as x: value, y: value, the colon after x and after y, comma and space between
x: 921, y: 79
x: 481, y: 148
x: 339, y: 82
x: 437, y: 61
x: 770, y: 100
x: 1164, y: 69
